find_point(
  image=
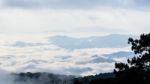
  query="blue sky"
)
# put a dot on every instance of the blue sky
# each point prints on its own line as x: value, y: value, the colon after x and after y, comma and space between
x: 104, y: 16
x: 77, y: 4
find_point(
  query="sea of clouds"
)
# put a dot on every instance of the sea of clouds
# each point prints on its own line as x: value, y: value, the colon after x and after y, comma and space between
x: 40, y: 53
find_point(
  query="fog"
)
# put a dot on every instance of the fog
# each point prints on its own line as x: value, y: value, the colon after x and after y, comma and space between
x: 34, y: 78
x: 6, y: 77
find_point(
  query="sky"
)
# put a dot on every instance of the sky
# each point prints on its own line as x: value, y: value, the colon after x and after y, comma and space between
x: 26, y: 27
x: 103, y: 16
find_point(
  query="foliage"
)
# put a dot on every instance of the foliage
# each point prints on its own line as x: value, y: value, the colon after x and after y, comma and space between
x: 137, y: 69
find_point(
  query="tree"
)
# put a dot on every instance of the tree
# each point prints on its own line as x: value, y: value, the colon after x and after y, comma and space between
x: 138, y: 68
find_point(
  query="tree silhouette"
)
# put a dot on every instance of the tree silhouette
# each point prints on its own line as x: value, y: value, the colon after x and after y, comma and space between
x: 137, y: 69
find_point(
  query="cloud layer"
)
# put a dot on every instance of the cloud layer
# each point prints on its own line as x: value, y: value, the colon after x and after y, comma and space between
x: 38, y: 54
x: 103, y: 21
x: 104, y: 16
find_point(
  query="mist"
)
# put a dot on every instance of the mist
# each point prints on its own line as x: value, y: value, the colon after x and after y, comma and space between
x: 34, y: 78
x: 6, y: 77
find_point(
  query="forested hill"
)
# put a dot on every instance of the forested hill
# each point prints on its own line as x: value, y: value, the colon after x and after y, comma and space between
x: 49, y: 78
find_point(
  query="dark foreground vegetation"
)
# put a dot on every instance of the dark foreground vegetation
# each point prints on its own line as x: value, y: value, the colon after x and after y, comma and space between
x: 135, y: 71
x: 42, y: 78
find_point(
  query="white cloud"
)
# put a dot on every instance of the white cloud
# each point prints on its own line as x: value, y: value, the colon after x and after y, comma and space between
x: 51, y: 58
x: 104, y: 21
